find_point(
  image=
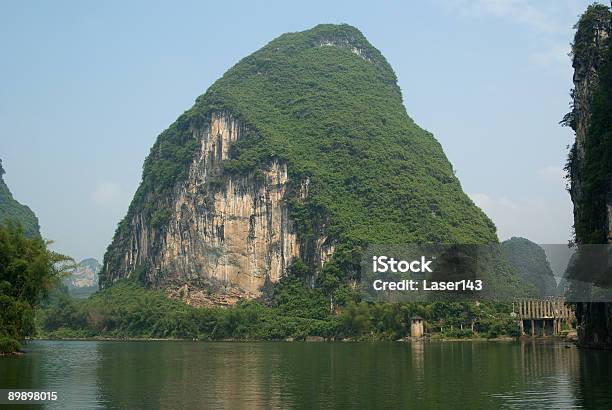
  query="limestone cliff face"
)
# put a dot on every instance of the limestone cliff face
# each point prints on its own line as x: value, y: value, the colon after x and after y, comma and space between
x: 589, y: 52
x: 84, y: 275
x: 226, y: 236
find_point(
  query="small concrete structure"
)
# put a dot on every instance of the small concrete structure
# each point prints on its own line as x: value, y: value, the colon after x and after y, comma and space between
x: 416, y: 327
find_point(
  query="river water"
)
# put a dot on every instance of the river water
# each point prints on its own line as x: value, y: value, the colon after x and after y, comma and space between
x: 177, y: 374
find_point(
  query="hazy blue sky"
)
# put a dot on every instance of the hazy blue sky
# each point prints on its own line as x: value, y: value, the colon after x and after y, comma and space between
x: 86, y: 87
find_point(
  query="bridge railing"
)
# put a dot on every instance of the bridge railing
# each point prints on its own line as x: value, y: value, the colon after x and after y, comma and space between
x: 548, y: 308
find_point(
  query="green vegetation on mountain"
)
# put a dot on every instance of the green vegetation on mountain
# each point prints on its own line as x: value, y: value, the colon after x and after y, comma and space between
x: 529, y: 259
x: 338, y: 119
x: 325, y: 102
x: 28, y: 270
x: 11, y: 210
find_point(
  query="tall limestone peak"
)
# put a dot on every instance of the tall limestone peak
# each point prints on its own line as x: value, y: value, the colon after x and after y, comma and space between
x: 589, y: 161
x: 11, y: 210
x: 299, y: 155
x: 589, y: 164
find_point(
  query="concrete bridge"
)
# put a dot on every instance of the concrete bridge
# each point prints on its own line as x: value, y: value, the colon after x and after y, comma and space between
x: 542, y: 317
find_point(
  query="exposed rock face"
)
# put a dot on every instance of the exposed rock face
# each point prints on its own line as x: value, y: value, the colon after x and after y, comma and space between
x: 83, y: 280
x: 85, y: 274
x: 227, y: 234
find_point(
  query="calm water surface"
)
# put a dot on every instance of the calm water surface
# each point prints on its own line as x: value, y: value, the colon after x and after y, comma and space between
x: 156, y: 374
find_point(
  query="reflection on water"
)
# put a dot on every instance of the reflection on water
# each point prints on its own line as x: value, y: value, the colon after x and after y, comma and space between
x: 532, y: 374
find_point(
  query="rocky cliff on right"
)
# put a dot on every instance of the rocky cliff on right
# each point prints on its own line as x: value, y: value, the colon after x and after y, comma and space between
x: 589, y: 166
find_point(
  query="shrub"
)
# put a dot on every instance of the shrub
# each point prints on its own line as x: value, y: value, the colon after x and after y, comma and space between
x: 8, y: 345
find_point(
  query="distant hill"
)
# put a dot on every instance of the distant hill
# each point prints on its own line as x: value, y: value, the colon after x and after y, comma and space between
x: 84, y: 279
x: 529, y: 259
x: 12, y: 210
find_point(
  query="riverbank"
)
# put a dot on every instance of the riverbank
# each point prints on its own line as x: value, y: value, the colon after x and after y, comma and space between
x: 127, y: 310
